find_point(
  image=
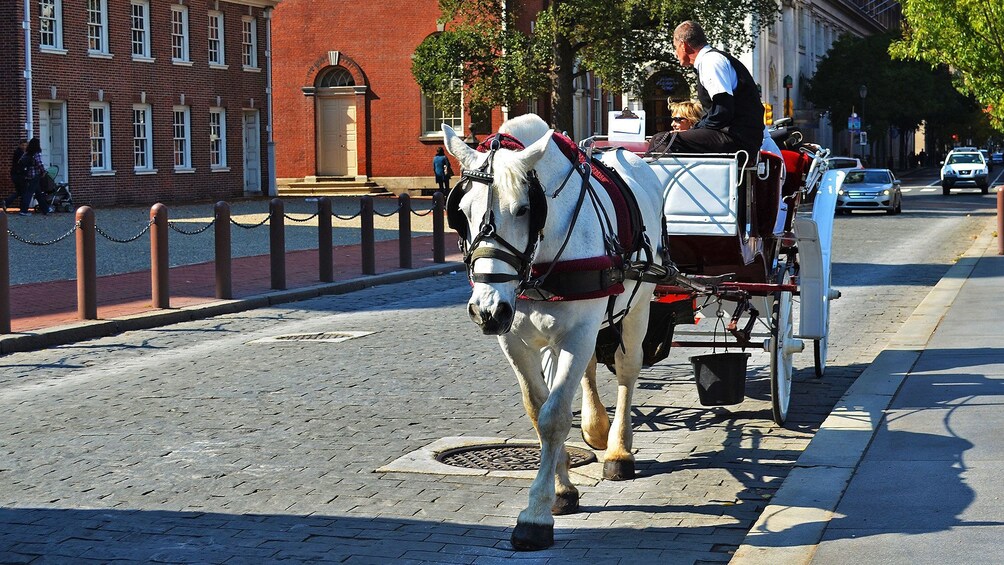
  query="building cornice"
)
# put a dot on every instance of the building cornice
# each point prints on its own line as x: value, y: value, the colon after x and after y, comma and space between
x: 255, y: 3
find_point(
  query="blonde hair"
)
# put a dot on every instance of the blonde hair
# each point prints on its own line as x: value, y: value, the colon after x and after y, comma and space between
x: 690, y: 109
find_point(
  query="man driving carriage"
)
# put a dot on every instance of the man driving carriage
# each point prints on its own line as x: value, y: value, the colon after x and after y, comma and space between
x: 734, y: 117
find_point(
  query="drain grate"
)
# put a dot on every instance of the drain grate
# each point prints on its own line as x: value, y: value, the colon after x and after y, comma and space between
x: 323, y: 337
x: 507, y: 457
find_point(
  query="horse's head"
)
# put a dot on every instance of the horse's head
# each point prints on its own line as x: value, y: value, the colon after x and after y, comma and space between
x: 499, y: 209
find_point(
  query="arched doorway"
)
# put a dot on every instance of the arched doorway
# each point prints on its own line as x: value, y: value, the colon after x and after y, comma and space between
x: 658, y: 88
x: 335, y: 111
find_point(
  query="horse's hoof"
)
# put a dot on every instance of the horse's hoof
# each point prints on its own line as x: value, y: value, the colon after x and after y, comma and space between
x: 565, y: 503
x: 599, y: 444
x: 618, y: 470
x: 532, y: 537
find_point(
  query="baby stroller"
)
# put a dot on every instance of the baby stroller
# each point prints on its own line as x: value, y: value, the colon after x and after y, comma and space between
x: 58, y: 193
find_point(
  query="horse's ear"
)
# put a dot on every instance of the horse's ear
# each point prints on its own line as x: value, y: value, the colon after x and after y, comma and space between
x: 457, y: 147
x: 535, y: 151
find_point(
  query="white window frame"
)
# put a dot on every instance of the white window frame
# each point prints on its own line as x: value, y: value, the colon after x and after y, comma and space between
x: 142, y: 138
x: 180, y: 41
x: 249, y: 43
x: 55, y: 19
x: 218, y: 139
x: 97, y: 31
x: 433, y: 118
x: 182, y: 137
x: 217, y: 53
x: 143, y: 30
x: 101, y: 137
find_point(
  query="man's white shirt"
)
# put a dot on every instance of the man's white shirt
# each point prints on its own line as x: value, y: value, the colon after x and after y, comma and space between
x: 715, y: 72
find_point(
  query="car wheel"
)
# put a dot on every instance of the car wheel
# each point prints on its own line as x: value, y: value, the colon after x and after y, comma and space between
x: 946, y: 189
x: 984, y: 188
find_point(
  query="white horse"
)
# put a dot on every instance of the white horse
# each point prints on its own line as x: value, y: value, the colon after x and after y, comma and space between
x: 511, y: 224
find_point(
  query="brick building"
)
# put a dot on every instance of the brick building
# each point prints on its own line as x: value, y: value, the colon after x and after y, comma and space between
x: 349, y: 113
x: 139, y: 101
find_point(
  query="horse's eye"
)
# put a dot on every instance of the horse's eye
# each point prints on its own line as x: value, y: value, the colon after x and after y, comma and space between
x: 522, y: 210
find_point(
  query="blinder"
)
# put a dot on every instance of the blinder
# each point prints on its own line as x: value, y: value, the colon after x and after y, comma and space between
x: 456, y: 220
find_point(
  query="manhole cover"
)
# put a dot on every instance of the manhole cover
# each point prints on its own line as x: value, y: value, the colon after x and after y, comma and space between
x: 507, y: 457
x: 323, y: 337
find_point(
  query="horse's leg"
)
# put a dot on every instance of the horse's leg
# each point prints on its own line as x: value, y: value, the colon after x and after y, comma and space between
x: 618, y: 461
x: 566, y: 495
x: 535, y: 525
x: 595, y: 421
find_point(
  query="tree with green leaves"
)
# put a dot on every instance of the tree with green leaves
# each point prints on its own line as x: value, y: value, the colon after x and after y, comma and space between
x: 900, y: 94
x: 489, y: 49
x: 966, y: 35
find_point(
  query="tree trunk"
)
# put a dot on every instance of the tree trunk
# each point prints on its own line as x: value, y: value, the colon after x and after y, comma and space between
x: 562, y: 85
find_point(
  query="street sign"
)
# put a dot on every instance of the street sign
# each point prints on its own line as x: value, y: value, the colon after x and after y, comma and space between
x: 854, y: 122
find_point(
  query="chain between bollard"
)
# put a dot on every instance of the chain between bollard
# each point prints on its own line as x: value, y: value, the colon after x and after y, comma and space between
x: 292, y: 219
x: 17, y: 237
x: 105, y: 235
x: 389, y: 214
x: 421, y: 214
x: 345, y: 218
x: 249, y: 226
x: 196, y: 232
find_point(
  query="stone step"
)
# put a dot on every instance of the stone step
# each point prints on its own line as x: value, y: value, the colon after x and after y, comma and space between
x: 325, y: 187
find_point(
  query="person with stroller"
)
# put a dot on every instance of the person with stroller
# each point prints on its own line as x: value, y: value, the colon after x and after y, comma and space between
x: 33, y: 168
x: 16, y: 175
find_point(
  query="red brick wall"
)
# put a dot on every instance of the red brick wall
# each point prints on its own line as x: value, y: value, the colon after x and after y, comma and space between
x: 78, y: 78
x: 380, y: 38
x: 12, y: 106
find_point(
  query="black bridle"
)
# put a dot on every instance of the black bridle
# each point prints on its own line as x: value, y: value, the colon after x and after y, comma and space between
x: 520, y: 260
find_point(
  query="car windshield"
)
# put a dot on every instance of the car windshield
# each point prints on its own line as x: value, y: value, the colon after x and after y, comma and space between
x: 859, y: 177
x: 964, y: 159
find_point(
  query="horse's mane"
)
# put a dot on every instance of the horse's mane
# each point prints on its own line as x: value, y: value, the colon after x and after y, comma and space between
x: 510, y: 168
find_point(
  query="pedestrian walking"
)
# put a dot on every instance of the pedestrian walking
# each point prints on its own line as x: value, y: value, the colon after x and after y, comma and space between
x: 33, y: 168
x: 441, y: 167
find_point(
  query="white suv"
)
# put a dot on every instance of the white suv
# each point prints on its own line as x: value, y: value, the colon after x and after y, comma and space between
x: 963, y: 166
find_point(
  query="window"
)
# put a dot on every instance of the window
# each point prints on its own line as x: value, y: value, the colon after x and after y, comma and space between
x: 179, y: 34
x: 182, y: 138
x: 50, y: 24
x: 433, y: 117
x: 100, y: 138
x: 217, y: 138
x: 97, y: 26
x: 142, y: 135
x: 597, y: 102
x: 140, y: 29
x: 216, y: 45
x: 249, y: 42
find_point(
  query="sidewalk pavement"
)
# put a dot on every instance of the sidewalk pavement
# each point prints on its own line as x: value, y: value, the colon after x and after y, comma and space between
x: 46, y: 312
x: 906, y: 469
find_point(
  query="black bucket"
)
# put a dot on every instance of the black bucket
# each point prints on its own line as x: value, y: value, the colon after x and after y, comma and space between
x: 721, y: 378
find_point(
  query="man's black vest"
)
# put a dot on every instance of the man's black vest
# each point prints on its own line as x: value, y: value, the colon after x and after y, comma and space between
x: 747, y: 121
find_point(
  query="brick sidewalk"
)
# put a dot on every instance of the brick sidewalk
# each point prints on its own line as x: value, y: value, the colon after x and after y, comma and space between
x: 42, y: 305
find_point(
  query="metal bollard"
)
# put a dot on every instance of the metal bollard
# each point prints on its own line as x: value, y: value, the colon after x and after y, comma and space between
x: 404, y: 230
x: 4, y: 276
x: 438, y: 235
x: 1000, y: 220
x: 367, y: 236
x: 224, y: 266
x: 159, y: 265
x: 277, y: 244
x: 324, y: 260
x: 87, y: 265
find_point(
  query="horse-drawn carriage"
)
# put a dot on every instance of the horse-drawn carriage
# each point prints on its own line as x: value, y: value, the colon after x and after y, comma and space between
x: 583, y: 254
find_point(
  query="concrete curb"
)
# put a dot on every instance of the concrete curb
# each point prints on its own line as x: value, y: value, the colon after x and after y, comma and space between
x: 790, y: 528
x: 72, y: 333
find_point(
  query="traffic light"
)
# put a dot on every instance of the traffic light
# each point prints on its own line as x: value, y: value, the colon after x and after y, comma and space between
x: 955, y: 137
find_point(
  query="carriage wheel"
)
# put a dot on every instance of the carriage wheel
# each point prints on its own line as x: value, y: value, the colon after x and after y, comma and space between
x: 783, y: 345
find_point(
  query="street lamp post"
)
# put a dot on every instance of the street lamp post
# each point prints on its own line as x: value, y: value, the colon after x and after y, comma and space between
x: 863, y: 92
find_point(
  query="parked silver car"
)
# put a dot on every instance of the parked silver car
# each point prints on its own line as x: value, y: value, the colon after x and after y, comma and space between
x: 870, y: 189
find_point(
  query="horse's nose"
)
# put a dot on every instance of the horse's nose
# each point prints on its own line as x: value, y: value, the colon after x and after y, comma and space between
x: 496, y: 321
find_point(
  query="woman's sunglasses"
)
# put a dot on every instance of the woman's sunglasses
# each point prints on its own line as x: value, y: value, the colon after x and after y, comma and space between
x: 679, y: 119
